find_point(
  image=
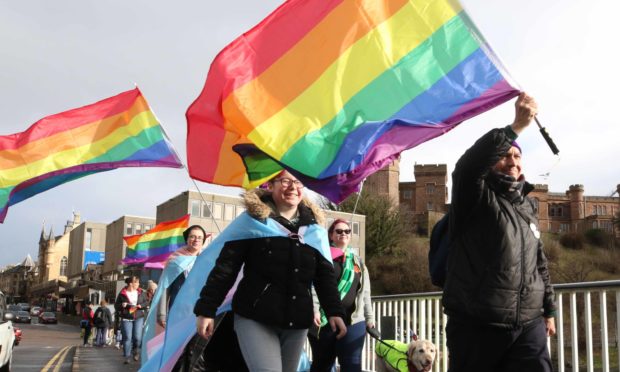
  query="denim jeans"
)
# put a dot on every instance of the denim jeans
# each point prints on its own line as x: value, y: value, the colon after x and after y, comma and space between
x: 101, y: 337
x: 348, y: 349
x: 132, y: 335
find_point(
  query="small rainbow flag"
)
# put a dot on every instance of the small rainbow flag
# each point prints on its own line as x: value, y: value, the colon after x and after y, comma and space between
x: 120, y: 131
x: 154, y: 246
x: 334, y: 90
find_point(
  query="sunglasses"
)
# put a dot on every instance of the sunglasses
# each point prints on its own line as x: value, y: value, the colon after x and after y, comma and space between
x: 341, y: 231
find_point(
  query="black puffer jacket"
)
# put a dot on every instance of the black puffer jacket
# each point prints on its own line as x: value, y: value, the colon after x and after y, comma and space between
x: 277, y: 275
x: 497, y: 271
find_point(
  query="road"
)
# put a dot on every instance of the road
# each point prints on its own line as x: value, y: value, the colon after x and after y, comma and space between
x: 46, y: 348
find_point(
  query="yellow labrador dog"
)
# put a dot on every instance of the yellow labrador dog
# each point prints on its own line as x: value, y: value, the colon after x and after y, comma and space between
x: 395, y: 356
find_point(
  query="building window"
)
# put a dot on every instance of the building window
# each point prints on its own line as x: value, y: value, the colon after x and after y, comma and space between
x: 604, y: 209
x: 63, y: 266
x: 217, y: 210
x: 551, y: 210
x: 559, y: 211
x: 129, y: 228
x: 88, y: 239
x: 429, y: 206
x: 430, y: 189
x: 564, y: 227
x: 195, y: 208
x: 407, y: 194
x: 356, y: 228
x: 240, y: 210
x: 147, y: 228
x: 229, y: 212
x: 206, y: 209
x: 138, y: 228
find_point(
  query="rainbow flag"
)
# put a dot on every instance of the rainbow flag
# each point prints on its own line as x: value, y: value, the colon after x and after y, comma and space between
x: 154, y: 246
x: 120, y: 131
x: 334, y: 90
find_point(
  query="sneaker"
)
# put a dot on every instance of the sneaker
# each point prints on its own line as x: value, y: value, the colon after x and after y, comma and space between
x: 136, y: 355
x: 127, y: 360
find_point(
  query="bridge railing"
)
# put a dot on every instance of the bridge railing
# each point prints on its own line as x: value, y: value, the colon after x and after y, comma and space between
x: 587, y: 322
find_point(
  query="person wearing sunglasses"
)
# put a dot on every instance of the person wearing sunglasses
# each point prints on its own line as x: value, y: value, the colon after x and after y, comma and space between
x: 272, y: 306
x: 354, y: 288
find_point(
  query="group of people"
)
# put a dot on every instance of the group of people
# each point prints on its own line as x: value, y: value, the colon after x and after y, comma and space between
x: 307, y: 283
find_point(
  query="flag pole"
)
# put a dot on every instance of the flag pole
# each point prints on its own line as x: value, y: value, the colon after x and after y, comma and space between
x: 183, y: 165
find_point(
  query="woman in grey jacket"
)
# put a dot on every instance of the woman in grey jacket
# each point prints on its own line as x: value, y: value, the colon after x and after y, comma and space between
x: 354, y: 288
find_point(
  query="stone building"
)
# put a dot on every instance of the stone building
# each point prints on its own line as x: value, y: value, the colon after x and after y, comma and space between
x: 15, y: 280
x: 385, y: 182
x: 427, y: 199
x: 214, y: 212
x: 115, y: 247
x: 84, y: 238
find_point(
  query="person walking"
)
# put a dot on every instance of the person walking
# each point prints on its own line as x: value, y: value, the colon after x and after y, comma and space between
x: 272, y: 305
x: 130, y: 304
x: 354, y: 288
x: 87, y: 320
x: 497, y: 294
x: 102, y: 322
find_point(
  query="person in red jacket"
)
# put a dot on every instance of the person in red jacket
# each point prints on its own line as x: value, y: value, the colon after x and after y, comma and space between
x: 88, y: 314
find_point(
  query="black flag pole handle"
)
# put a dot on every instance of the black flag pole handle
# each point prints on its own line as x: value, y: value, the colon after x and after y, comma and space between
x: 547, y: 138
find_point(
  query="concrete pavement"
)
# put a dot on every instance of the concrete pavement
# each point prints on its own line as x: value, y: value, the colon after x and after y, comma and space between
x: 101, y: 359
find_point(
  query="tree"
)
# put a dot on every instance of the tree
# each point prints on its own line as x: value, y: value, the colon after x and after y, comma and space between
x: 384, y: 223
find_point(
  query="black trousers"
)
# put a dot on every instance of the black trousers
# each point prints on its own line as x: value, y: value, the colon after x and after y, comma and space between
x: 474, y: 347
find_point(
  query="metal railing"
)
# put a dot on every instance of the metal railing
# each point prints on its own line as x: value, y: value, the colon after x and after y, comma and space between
x: 587, y: 338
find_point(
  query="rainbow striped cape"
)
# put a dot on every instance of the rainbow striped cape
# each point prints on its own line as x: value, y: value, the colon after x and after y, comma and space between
x: 334, y: 90
x: 120, y: 131
x: 154, y: 246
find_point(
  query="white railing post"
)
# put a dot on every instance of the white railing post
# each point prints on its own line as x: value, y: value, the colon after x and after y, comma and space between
x: 573, y: 323
x: 604, y: 335
x: 444, y: 346
x: 618, y: 325
x: 588, y: 321
x: 560, y: 333
x: 422, y: 334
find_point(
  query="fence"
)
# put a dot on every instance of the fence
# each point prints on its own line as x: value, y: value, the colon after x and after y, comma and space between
x: 586, y: 339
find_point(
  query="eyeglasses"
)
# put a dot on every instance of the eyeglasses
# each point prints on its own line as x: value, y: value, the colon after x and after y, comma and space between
x: 286, y: 182
x: 341, y: 231
x: 195, y: 237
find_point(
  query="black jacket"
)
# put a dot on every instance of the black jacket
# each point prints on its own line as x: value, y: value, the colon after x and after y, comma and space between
x: 128, y: 312
x: 497, y: 270
x: 103, y: 317
x: 277, y: 274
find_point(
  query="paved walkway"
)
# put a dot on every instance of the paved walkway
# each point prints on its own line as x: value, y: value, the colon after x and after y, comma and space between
x: 101, y: 359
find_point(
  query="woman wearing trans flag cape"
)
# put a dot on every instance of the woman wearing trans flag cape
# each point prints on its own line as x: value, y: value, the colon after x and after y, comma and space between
x: 283, y: 251
x: 178, y: 266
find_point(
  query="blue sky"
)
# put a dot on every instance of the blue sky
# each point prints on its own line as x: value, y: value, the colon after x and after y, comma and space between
x: 59, y: 55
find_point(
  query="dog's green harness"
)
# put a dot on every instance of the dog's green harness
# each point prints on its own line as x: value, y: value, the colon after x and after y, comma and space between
x: 394, y: 354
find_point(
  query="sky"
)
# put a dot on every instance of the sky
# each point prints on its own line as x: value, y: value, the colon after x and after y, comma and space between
x: 55, y: 56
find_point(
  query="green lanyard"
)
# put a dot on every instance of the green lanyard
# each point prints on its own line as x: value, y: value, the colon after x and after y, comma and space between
x: 346, y: 280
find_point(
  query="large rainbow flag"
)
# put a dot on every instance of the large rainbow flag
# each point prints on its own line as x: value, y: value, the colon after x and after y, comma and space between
x: 154, y: 246
x: 334, y: 90
x: 120, y: 131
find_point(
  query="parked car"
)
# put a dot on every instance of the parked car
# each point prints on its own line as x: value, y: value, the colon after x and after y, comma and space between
x: 8, y: 315
x: 47, y: 318
x: 7, y: 337
x: 35, y: 310
x: 18, y: 335
x: 14, y: 308
x: 25, y: 306
x: 22, y: 317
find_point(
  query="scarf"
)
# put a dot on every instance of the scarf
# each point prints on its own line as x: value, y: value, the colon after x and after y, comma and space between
x: 507, y: 186
x: 346, y: 279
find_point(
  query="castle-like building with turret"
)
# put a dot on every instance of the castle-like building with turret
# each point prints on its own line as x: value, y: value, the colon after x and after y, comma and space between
x: 427, y: 198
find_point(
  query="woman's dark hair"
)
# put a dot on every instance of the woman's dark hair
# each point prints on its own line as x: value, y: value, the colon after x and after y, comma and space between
x: 336, y: 222
x: 187, y: 231
x: 131, y: 279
